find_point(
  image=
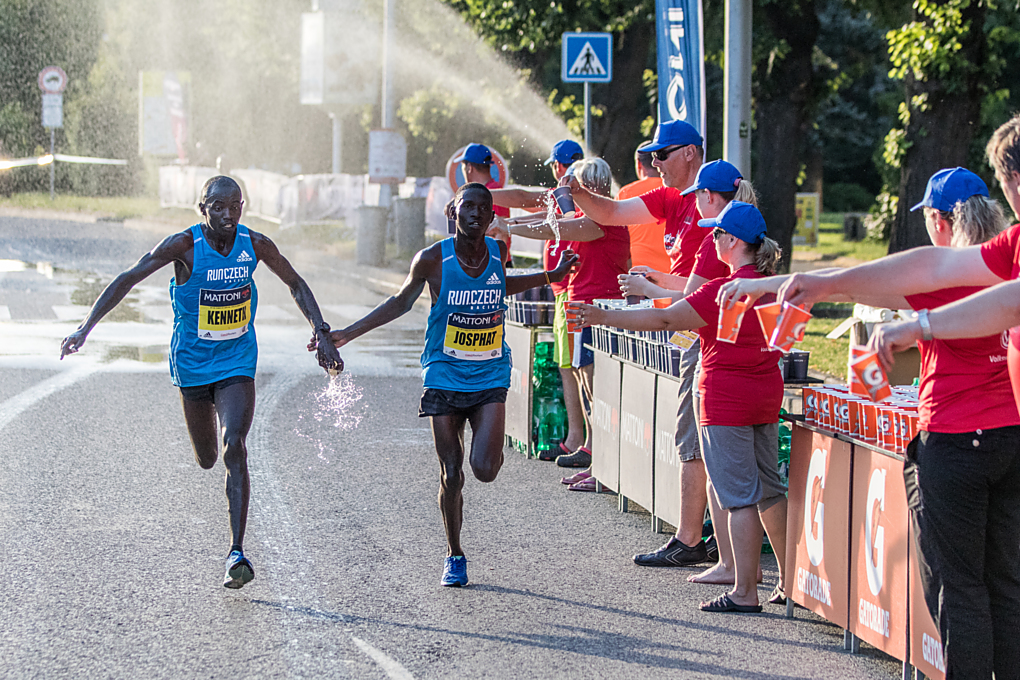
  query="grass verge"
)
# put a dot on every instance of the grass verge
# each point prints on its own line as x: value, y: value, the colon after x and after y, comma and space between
x: 118, y: 207
x: 831, y: 244
x: 827, y: 356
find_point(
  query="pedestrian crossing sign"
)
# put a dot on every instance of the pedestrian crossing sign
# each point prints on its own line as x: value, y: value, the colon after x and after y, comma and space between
x: 587, y: 58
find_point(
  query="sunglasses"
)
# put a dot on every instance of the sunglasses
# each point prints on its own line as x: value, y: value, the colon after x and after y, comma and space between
x: 663, y: 154
x: 717, y: 232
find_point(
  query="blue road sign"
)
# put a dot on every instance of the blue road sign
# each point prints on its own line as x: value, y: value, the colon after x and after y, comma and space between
x: 587, y: 58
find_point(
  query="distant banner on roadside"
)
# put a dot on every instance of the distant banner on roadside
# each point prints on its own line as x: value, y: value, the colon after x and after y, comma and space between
x: 681, y: 61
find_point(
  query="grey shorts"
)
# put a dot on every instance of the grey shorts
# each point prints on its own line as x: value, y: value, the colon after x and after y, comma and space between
x: 743, y: 464
x: 687, y: 445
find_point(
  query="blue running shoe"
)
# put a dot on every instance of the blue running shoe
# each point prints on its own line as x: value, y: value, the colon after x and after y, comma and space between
x: 239, y: 570
x: 455, y: 572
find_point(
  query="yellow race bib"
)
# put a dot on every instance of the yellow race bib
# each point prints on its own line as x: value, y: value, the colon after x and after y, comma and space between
x: 475, y: 337
x: 224, y: 314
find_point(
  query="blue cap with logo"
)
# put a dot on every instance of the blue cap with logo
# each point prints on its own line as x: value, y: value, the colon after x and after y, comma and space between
x: 740, y: 219
x: 950, y: 186
x: 674, y: 133
x: 475, y: 153
x: 718, y: 176
x: 565, y: 151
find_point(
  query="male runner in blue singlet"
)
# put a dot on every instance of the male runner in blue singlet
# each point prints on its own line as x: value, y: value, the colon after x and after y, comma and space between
x: 466, y: 363
x: 213, y: 352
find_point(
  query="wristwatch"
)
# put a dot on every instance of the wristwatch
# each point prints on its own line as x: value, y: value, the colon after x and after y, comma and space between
x: 922, y: 318
x: 323, y: 327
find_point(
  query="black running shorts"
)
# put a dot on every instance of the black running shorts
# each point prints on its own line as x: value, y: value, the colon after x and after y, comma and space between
x: 208, y: 392
x: 447, y: 402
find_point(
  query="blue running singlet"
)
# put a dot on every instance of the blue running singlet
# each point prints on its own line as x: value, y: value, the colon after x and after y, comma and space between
x: 214, y: 314
x: 464, y: 347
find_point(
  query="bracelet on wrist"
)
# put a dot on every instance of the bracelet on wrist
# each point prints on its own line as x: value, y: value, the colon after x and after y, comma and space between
x: 925, y: 323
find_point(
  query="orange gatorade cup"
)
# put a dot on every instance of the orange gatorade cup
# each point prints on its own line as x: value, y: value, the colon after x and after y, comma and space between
x: 884, y: 422
x: 662, y: 303
x: 825, y: 409
x: 790, y: 327
x: 869, y: 422
x: 730, y: 320
x: 767, y: 317
x: 856, y: 386
x: 854, y: 407
x: 810, y: 405
x: 869, y: 371
x: 573, y: 318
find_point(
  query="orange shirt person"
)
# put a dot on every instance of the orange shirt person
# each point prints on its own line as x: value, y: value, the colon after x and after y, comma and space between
x: 646, y: 240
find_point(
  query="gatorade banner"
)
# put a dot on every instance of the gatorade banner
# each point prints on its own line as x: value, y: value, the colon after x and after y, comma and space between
x: 681, y: 61
x: 224, y: 314
x: 475, y: 337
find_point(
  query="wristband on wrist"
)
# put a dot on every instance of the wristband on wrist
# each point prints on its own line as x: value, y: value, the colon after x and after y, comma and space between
x: 922, y: 319
x: 323, y: 327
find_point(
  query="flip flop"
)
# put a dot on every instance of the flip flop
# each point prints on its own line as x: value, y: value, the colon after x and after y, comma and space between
x: 574, y: 479
x: 723, y: 604
x: 777, y: 596
x: 587, y: 484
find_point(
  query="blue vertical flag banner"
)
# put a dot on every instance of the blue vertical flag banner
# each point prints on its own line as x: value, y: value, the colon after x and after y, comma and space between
x: 681, y: 61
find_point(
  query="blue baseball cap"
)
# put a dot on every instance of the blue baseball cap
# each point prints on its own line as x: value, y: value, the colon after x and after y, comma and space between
x: 475, y: 153
x: 565, y: 151
x: 739, y: 219
x: 717, y: 176
x: 674, y: 133
x: 950, y: 186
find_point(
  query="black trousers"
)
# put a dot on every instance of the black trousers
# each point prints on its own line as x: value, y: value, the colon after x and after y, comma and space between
x: 964, y: 497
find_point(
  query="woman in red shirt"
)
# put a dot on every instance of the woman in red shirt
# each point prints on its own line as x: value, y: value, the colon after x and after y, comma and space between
x: 603, y: 253
x: 739, y: 432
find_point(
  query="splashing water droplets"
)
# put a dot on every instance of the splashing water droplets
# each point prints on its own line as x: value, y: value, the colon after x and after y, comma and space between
x: 337, y: 406
x: 550, y: 219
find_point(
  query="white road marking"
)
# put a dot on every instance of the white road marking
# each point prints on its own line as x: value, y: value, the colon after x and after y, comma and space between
x: 18, y: 404
x: 392, y: 667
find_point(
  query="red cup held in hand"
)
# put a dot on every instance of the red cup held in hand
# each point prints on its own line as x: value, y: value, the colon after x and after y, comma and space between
x: 790, y: 327
x: 729, y: 322
x: 869, y: 371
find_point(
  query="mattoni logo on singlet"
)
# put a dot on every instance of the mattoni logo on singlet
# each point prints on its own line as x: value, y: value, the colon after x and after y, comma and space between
x: 227, y: 273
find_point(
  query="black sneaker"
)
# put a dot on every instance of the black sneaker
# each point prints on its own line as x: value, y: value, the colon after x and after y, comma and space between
x: 553, y: 453
x: 711, y: 548
x: 577, y: 459
x: 673, y: 554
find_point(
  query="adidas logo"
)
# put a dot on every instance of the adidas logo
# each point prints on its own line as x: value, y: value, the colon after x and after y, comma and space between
x: 493, y: 280
x: 244, y: 256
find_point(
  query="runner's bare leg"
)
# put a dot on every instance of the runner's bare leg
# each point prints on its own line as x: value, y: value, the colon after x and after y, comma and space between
x: 448, y: 433
x: 235, y: 406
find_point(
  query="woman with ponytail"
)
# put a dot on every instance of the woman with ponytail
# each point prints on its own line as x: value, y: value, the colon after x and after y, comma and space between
x: 741, y: 392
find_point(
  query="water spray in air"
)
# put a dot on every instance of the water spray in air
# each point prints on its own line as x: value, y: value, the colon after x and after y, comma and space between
x: 337, y: 405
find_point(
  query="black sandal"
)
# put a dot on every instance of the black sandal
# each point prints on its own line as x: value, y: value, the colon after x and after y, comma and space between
x: 723, y: 604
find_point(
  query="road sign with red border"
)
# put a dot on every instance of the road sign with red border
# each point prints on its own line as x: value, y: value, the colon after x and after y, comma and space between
x: 52, y: 80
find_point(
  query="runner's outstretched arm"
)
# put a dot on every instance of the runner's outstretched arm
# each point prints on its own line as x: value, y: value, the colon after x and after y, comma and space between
x: 266, y: 251
x: 171, y: 248
x: 394, y: 306
x: 519, y: 284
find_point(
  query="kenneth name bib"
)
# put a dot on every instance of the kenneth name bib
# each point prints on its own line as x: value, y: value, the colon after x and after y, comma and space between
x: 475, y: 337
x: 224, y: 314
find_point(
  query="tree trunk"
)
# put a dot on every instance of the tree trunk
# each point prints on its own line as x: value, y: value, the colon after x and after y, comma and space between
x: 616, y: 134
x: 938, y: 137
x: 786, y: 92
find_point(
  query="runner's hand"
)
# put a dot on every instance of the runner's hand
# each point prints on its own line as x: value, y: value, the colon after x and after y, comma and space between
x: 338, y: 338
x: 72, y: 343
x: 568, y: 258
x: 889, y: 338
x: 329, y: 357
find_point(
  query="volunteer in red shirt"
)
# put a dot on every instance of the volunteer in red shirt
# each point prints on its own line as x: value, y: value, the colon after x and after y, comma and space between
x: 677, y: 153
x: 603, y: 253
x: 741, y: 392
x: 647, y: 246
x: 564, y: 153
x: 963, y: 471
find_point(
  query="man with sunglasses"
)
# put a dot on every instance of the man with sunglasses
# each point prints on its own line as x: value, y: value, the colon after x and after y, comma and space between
x: 677, y: 153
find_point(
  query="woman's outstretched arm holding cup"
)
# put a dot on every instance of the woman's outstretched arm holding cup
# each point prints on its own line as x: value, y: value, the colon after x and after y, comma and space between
x: 679, y: 316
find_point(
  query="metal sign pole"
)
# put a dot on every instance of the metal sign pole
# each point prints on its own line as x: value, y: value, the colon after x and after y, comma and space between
x: 53, y: 163
x: 587, y: 118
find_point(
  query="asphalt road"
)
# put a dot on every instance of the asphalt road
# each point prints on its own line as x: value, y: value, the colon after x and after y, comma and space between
x: 113, y: 539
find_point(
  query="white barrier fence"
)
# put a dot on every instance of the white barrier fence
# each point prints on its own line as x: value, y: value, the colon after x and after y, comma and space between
x: 303, y: 199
